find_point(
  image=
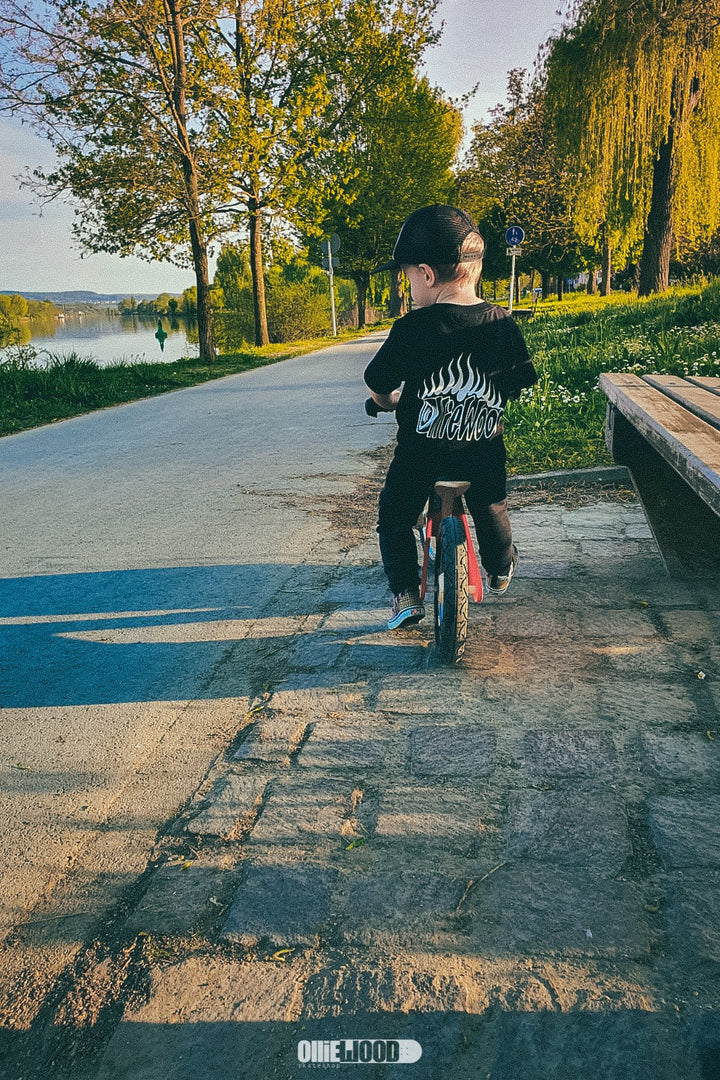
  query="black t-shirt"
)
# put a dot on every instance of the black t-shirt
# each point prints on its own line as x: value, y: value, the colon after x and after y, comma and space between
x: 459, y: 365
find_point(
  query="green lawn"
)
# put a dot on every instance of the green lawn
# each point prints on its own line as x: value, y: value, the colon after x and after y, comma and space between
x: 559, y: 423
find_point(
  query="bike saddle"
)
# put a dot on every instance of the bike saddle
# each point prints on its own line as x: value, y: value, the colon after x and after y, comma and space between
x: 459, y: 487
x: 449, y: 491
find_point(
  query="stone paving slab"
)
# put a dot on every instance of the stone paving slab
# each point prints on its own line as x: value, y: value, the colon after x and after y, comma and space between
x: 688, y: 758
x: 304, y: 811
x: 180, y: 895
x: 515, y: 861
x: 570, y: 828
x: 430, y: 818
x: 568, y: 753
x: 694, y: 915
x: 551, y: 911
x: 686, y: 831
x: 410, y: 909
x: 460, y: 750
x: 232, y: 799
x: 542, y: 698
x: 272, y: 739
x: 365, y: 755
x: 311, y: 653
x: 287, y: 905
x: 618, y: 624
x: 647, y: 702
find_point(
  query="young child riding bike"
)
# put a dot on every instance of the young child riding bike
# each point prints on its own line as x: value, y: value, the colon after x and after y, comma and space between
x: 447, y: 367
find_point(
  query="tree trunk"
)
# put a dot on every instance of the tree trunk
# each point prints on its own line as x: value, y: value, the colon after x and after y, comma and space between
x: 397, y: 300
x: 206, y: 342
x: 545, y: 278
x: 362, y: 282
x: 606, y: 267
x: 657, y: 247
x: 560, y: 287
x: 591, y: 287
x: 262, y: 336
x: 190, y: 178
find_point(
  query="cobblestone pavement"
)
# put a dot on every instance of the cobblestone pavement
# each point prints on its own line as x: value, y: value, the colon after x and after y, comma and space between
x: 514, y: 862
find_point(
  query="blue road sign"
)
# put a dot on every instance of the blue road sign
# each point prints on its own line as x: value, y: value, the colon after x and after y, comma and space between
x: 514, y: 236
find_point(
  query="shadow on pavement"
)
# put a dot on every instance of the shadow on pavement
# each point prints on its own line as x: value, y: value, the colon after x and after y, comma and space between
x: 504, y: 1045
x: 143, y: 635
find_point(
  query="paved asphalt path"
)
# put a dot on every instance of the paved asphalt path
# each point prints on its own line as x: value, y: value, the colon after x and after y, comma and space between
x: 514, y: 862
x: 137, y: 551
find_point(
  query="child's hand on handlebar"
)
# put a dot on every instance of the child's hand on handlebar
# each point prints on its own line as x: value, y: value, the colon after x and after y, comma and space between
x: 382, y: 403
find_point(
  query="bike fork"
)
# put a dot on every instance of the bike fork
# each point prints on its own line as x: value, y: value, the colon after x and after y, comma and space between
x: 475, y: 583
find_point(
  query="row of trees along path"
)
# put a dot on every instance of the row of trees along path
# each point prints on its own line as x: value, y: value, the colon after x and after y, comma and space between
x: 182, y: 123
x: 611, y: 151
x: 174, y: 121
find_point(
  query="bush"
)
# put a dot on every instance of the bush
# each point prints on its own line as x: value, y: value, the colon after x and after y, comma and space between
x: 297, y: 297
x: 297, y: 310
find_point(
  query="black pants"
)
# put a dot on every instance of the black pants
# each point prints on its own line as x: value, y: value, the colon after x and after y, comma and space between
x: 407, y: 485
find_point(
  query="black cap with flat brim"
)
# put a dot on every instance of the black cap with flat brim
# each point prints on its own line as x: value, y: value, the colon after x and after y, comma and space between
x: 433, y: 235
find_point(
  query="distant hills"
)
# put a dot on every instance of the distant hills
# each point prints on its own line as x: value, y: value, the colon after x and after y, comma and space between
x: 78, y: 296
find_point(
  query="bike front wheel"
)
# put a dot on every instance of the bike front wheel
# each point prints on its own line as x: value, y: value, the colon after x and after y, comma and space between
x: 451, y: 591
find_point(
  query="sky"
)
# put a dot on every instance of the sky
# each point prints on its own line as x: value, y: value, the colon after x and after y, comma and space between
x: 482, y: 40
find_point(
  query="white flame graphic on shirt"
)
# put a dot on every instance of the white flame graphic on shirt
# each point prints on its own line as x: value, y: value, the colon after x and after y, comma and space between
x: 459, y: 404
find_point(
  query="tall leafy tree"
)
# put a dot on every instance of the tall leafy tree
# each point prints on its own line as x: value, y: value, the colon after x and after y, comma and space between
x: 123, y: 92
x: 304, y: 73
x: 171, y: 116
x: 406, y: 140
x: 513, y: 174
x: 635, y: 90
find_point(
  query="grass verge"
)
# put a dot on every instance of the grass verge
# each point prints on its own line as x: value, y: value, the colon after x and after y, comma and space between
x: 41, y: 389
x: 559, y: 423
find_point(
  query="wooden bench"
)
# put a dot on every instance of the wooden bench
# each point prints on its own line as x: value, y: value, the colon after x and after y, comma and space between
x: 678, y: 418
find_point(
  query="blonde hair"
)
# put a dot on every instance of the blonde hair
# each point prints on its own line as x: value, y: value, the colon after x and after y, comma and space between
x: 464, y: 271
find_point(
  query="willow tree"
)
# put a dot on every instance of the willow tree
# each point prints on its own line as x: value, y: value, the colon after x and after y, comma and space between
x: 635, y: 92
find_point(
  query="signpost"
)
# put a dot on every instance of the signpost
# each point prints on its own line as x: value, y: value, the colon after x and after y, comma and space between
x: 331, y: 245
x: 514, y: 237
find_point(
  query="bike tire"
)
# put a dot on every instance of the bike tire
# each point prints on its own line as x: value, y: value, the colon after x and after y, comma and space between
x: 451, y: 600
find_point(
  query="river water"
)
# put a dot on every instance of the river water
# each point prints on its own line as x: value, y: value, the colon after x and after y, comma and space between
x: 110, y: 339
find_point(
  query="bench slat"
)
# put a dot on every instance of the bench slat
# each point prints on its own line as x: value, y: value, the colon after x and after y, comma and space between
x: 704, y: 404
x: 686, y: 442
x: 708, y: 382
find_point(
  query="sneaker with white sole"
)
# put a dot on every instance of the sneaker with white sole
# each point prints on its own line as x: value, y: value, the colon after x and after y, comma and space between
x: 407, y: 607
x: 498, y: 583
